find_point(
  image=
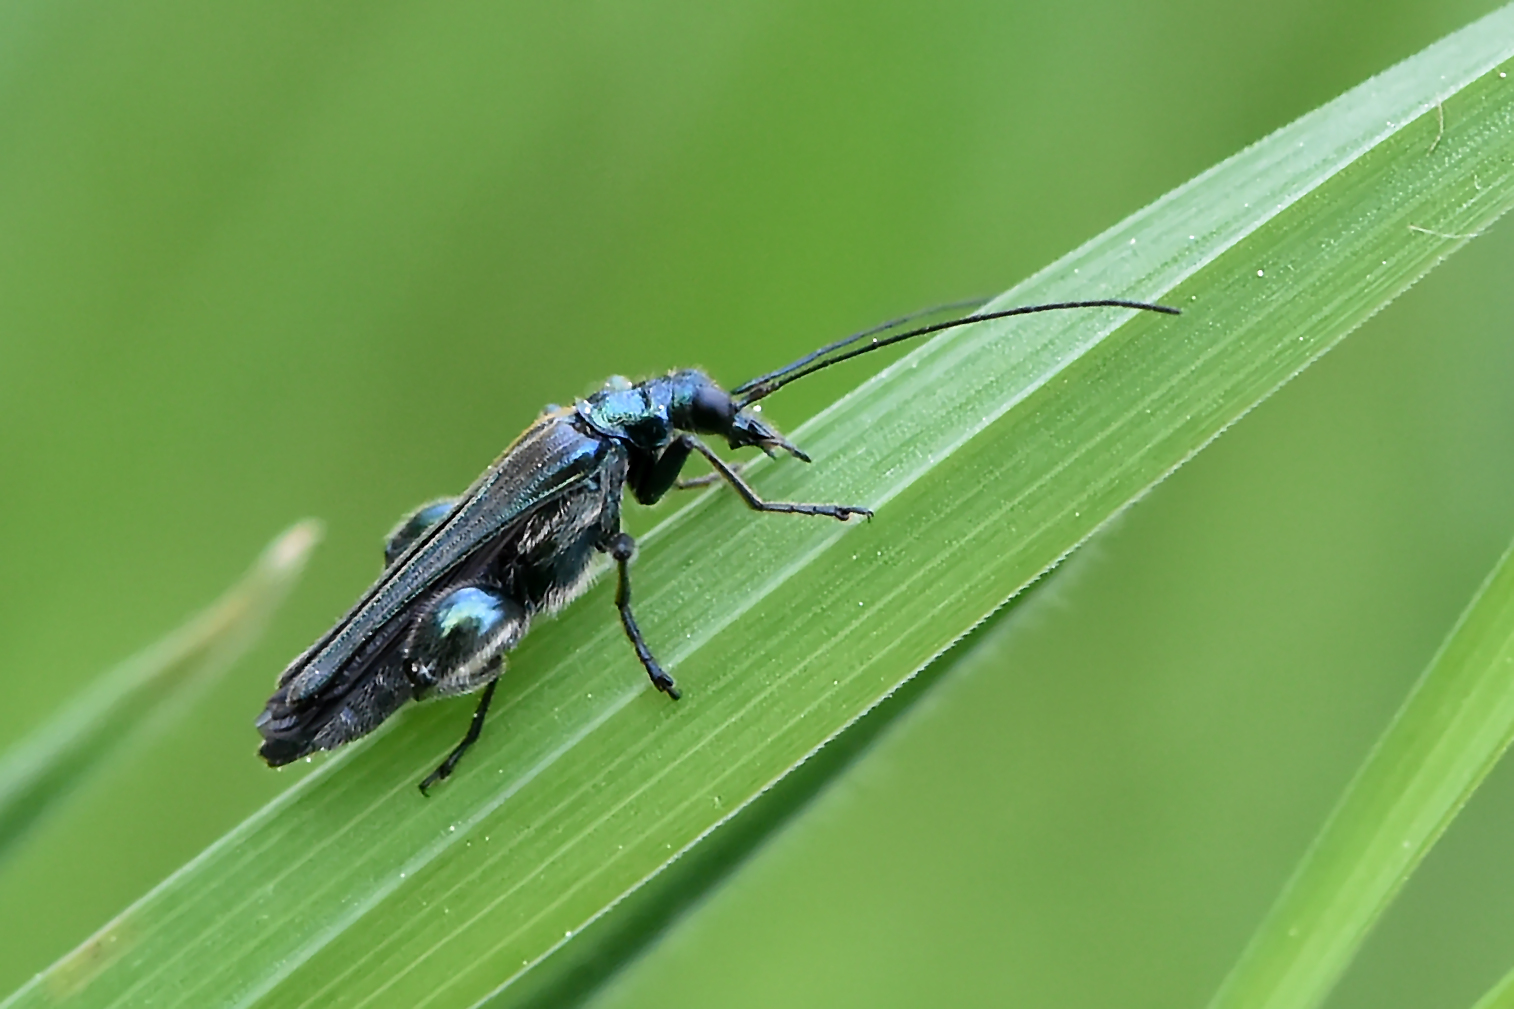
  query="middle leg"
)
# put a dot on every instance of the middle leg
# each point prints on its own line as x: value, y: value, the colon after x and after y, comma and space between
x: 621, y: 546
x: 705, y: 480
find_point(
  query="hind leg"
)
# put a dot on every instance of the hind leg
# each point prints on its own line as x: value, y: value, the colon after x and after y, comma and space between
x: 475, y: 726
x: 456, y: 646
x: 413, y: 526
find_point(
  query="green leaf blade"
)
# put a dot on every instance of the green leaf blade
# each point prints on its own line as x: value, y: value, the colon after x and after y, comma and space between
x: 988, y: 455
x: 1500, y: 996
x: 1441, y: 745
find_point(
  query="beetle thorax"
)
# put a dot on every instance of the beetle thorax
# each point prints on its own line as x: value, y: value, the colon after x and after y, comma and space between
x: 636, y: 414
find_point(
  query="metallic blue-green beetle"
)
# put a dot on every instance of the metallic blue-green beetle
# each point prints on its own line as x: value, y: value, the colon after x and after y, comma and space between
x: 464, y: 577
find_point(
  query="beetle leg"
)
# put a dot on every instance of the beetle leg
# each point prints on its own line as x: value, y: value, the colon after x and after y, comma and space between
x: 469, y: 738
x: 705, y: 480
x: 732, y: 477
x: 651, y: 482
x: 456, y: 646
x: 621, y: 546
x: 413, y: 526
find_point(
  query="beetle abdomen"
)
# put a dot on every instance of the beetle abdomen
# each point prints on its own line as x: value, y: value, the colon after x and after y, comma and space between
x: 293, y: 731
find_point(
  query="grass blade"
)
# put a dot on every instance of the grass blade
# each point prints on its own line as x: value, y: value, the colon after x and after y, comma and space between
x: 988, y: 455
x: 138, y: 695
x: 1500, y: 996
x: 1438, y: 749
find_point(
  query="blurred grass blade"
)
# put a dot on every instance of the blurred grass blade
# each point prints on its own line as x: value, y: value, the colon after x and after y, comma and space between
x: 987, y: 454
x: 1500, y: 996
x: 1440, y: 746
x: 156, y: 684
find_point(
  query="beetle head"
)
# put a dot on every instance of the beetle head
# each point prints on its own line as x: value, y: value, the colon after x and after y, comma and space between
x: 702, y: 407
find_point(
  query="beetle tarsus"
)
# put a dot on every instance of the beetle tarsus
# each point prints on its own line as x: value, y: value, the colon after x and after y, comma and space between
x: 469, y: 738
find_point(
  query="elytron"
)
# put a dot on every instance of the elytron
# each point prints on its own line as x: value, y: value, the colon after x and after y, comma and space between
x: 464, y: 577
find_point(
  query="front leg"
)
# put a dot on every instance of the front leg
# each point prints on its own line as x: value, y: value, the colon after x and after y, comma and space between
x: 651, y: 481
x: 728, y: 472
x: 621, y: 546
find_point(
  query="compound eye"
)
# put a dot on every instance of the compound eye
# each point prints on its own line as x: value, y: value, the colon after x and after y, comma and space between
x: 712, y: 410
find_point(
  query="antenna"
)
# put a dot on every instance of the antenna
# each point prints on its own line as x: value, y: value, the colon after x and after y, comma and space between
x: 870, y: 331
x: 750, y: 392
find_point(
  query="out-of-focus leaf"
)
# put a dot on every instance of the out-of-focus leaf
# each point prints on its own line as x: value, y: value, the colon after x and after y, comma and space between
x: 1500, y: 996
x: 1438, y: 749
x: 146, y: 691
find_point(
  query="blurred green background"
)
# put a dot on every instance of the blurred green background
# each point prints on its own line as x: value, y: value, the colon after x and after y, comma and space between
x: 268, y: 261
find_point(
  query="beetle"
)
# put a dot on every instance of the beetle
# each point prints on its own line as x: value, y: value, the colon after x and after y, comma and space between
x: 464, y: 577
